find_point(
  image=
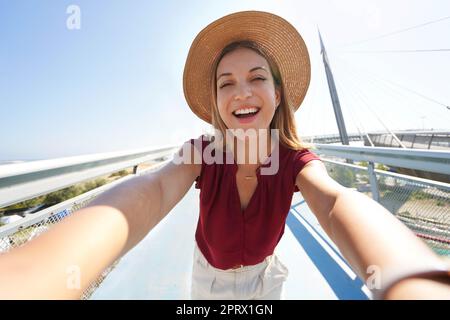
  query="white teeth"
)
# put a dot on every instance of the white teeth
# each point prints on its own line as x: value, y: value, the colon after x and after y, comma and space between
x: 245, y: 111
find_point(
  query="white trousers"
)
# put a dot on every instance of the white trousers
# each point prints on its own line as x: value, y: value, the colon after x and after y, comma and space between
x: 263, y: 281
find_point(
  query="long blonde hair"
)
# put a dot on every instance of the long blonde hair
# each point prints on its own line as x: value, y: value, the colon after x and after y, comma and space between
x: 283, y: 119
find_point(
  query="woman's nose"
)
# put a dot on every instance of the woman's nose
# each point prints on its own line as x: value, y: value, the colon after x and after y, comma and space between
x: 243, y: 91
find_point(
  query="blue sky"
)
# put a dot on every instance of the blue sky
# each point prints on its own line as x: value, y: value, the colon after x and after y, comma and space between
x: 116, y: 83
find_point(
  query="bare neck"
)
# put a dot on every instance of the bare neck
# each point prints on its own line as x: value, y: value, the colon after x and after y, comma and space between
x: 245, y: 162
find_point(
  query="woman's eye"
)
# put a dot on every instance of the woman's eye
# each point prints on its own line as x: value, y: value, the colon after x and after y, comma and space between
x: 227, y: 83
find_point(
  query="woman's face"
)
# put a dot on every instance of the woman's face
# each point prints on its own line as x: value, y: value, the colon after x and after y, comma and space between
x: 245, y: 84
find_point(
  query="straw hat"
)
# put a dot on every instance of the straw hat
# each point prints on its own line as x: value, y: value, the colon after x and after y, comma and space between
x: 278, y: 38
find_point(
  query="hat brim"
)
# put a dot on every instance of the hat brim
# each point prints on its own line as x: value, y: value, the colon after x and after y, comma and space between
x: 279, y: 39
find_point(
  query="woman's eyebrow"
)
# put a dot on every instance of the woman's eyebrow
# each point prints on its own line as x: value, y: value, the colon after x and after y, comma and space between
x: 257, y: 68
x: 251, y: 70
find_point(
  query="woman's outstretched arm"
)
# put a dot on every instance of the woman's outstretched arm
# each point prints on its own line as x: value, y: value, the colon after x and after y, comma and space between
x: 372, y: 240
x: 62, y: 262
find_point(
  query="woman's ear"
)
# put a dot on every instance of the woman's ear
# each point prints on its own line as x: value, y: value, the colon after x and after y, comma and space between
x: 277, y: 97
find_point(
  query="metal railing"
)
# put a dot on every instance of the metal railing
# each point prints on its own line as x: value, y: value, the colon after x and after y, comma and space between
x: 19, y: 182
x: 412, y: 139
x: 423, y: 139
x: 437, y: 161
x: 22, y: 181
x: 422, y: 205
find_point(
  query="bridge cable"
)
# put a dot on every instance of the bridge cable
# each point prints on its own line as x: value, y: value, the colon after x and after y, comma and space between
x: 366, y: 74
x: 397, y: 51
x: 363, y: 98
x: 353, y: 113
x: 358, y: 78
x: 395, y: 32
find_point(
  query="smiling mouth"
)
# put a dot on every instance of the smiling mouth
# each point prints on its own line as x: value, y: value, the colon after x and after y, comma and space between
x: 246, y: 115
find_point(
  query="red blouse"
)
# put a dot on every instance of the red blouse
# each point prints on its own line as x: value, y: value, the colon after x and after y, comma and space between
x: 228, y: 236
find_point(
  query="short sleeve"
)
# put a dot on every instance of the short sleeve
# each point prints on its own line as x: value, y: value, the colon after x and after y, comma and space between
x: 199, y: 145
x: 301, y: 158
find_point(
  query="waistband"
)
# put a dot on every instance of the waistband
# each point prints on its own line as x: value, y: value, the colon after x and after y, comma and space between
x: 199, y: 255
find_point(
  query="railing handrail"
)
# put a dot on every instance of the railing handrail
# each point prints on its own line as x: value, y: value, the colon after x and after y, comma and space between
x: 412, y: 179
x: 43, y: 214
x: 23, y: 181
x: 437, y: 161
x: 13, y: 169
x: 381, y: 132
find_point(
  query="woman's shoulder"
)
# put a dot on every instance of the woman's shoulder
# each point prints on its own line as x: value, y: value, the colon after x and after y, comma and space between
x: 199, y: 143
x: 201, y: 140
x: 295, y: 152
x: 301, y: 157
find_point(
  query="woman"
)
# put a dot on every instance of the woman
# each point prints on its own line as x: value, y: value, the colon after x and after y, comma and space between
x: 248, y: 71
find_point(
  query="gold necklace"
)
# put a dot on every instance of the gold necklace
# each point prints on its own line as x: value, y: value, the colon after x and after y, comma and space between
x: 249, y: 177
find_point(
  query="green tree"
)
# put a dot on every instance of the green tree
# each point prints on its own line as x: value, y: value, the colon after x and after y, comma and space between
x: 120, y: 173
x: 344, y: 176
x: 26, y: 204
x: 381, y: 166
x: 59, y: 195
x: 64, y: 194
x: 364, y: 164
